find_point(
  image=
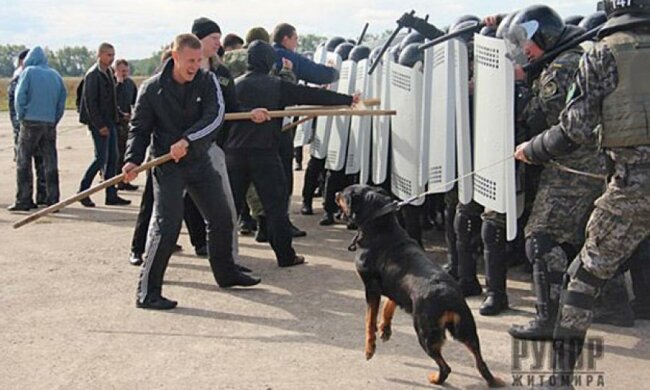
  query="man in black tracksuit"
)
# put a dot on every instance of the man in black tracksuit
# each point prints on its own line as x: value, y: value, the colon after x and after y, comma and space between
x: 252, y: 149
x: 182, y: 106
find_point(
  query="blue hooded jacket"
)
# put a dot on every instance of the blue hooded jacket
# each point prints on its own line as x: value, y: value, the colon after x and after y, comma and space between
x: 40, y: 93
x: 306, y: 69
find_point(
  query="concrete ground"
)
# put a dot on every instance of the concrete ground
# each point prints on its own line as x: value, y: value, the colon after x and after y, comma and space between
x: 68, y: 319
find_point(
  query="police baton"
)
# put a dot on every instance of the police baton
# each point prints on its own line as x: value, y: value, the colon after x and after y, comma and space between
x: 444, y: 38
x: 386, y: 46
x: 536, y: 66
x: 363, y: 33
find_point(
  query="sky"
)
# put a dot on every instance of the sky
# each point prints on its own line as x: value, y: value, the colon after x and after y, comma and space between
x: 137, y: 28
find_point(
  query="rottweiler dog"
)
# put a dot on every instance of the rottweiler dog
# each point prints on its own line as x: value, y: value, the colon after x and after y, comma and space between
x: 392, y: 264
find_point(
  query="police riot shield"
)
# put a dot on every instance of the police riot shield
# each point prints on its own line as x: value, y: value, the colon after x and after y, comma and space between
x: 494, y: 180
x: 463, y: 124
x: 381, y: 125
x: 304, y: 132
x: 321, y: 136
x: 438, y: 119
x: 358, y: 159
x: 337, y: 146
x: 406, y: 132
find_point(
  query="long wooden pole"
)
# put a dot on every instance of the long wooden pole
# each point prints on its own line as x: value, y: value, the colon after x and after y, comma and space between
x: 101, y: 186
x: 239, y: 116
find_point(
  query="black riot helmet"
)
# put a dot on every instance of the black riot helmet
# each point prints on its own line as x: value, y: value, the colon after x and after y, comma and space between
x: 359, y: 53
x: 411, y: 55
x: 332, y: 43
x: 412, y: 37
x: 625, y: 15
x: 573, y: 20
x: 594, y: 20
x: 542, y: 24
x: 502, y: 30
x: 489, y: 31
x: 465, y: 22
x: 393, y: 53
x: 343, y: 50
x: 374, y: 54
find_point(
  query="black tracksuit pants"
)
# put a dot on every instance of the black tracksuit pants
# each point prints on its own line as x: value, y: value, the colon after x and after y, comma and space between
x: 203, y: 184
x: 265, y: 170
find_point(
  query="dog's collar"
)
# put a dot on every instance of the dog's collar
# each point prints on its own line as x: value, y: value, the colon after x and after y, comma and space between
x: 389, y: 208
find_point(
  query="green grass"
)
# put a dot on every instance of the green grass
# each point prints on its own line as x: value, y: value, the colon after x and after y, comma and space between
x: 71, y: 84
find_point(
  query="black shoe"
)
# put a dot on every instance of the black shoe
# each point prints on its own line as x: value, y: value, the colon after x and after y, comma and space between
x: 87, y: 202
x: 135, y: 258
x: 296, y: 232
x: 126, y: 187
x: 201, y: 251
x: 470, y: 289
x: 156, y: 303
x: 20, y: 207
x: 239, y: 279
x: 247, y: 226
x: 117, y: 201
x: 242, y: 268
x: 261, y: 236
x: 177, y: 248
x: 306, y: 208
x: 494, y: 303
x: 351, y: 226
x: 537, y: 329
x: 296, y: 261
x: 327, y: 220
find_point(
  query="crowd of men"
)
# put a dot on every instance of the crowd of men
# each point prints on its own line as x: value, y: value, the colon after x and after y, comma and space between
x: 581, y: 107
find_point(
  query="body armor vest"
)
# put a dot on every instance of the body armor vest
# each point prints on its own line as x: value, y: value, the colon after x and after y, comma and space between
x: 626, y: 111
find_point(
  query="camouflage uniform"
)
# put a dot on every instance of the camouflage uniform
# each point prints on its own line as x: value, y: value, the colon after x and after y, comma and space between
x: 548, y: 95
x: 621, y: 219
x: 236, y: 61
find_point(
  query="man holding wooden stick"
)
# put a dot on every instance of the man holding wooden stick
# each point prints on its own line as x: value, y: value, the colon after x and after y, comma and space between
x: 182, y: 106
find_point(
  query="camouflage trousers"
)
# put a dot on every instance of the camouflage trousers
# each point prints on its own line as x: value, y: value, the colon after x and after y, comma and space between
x: 611, y: 239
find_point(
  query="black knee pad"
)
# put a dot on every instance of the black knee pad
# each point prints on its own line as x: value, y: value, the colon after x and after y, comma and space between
x: 466, y: 227
x: 537, y: 245
x: 492, y: 234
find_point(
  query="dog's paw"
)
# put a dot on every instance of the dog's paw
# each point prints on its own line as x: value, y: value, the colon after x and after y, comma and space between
x: 370, y: 350
x: 497, y: 382
x: 385, y: 332
x: 436, y: 379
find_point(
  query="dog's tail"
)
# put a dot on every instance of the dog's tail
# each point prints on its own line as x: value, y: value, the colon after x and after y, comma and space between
x: 464, y: 330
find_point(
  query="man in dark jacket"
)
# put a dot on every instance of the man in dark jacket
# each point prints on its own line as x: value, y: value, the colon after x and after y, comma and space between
x: 252, y: 149
x: 183, y: 107
x: 98, y: 109
x: 125, y: 93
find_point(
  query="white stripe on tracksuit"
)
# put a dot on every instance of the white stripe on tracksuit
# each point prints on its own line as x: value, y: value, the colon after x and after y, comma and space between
x: 218, y: 120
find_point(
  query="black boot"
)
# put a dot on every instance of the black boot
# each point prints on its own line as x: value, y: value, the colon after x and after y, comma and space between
x: 327, y: 220
x: 262, y: 234
x: 612, y: 305
x: 541, y: 328
x: 495, y: 269
x: 467, y: 236
x: 640, y: 273
x: 307, y: 208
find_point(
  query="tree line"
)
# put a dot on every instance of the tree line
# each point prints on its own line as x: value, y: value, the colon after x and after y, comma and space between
x: 73, y: 61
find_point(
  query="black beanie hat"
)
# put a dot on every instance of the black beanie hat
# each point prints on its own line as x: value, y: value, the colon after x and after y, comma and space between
x: 202, y: 27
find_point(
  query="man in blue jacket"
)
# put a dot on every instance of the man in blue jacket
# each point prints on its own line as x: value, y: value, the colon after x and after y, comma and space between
x: 40, y: 103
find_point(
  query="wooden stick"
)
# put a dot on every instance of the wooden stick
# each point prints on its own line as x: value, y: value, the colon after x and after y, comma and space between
x: 77, y: 197
x: 238, y: 116
x: 297, y: 123
x: 368, y: 103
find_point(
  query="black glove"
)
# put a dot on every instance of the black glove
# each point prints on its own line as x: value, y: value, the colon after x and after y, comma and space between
x: 407, y: 20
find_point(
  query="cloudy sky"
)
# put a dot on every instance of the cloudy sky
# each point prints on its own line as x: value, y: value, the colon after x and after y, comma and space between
x: 139, y: 27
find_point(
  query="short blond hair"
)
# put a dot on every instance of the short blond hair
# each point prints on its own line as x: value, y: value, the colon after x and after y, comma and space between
x: 186, y: 40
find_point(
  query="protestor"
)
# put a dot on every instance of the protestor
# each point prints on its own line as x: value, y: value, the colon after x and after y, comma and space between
x: 252, y: 149
x: 232, y: 42
x: 41, y: 189
x: 125, y: 94
x: 237, y: 60
x: 606, y: 92
x: 40, y: 104
x: 98, y: 110
x: 182, y: 107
